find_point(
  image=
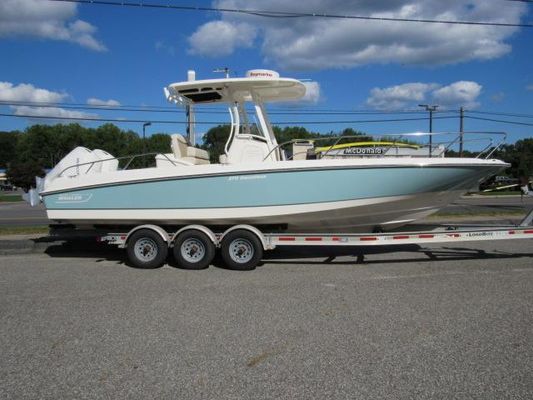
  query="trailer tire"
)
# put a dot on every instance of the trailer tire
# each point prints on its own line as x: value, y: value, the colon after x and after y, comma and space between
x: 146, y: 249
x: 241, y: 250
x: 193, y: 249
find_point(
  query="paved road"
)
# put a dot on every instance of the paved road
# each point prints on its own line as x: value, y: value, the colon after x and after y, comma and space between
x: 491, y: 204
x: 22, y: 213
x: 428, y: 323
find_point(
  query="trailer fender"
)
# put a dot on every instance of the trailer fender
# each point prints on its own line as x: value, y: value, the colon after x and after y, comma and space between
x: 160, y: 231
x: 252, y: 229
x: 200, y: 228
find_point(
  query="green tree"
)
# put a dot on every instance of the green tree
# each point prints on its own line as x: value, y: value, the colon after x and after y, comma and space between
x: 289, y: 133
x: 519, y: 155
x: 22, y: 174
x: 8, y: 146
x: 214, y: 141
x: 158, y: 143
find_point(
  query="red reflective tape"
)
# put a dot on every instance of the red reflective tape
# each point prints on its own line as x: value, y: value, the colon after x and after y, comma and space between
x: 528, y: 231
x: 426, y: 236
x: 512, y: 232
x: 368, y: 238
x: 401, y: 237
x: 313, y: 239
x: 287, y: 239
x: 454, y: 235
x: 336, y: 239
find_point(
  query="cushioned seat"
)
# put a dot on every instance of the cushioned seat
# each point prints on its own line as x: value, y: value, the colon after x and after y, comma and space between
x: 187, y: 153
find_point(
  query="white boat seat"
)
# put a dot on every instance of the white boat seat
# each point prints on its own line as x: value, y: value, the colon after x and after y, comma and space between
x: 191, y: 154
x: 168, y: 160
x: 299, y: 150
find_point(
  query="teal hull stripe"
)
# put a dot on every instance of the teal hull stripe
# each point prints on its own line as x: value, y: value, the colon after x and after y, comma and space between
x: 269, y: 189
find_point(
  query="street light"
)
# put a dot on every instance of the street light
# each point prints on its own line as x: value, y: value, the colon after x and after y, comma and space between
x: 144, y: 141
x: 144, y: 134
x: 430, y: 108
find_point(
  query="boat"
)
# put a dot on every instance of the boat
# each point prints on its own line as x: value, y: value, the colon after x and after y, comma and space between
x: 256, y: 181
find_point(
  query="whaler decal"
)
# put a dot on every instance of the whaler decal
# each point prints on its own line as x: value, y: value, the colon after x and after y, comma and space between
x: 246, y: 177
x: 73, y: 198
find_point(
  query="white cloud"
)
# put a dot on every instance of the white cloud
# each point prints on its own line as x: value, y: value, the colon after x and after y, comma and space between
x: 48, y: 20
x: 312, y: 92
x: 462, y: 93
x: 409, y: 95
x: 530, y: 88
x: 29, y: 93
x: 318, y: 43
x: 26, y: 92
x: 399, y: 96
x: 36, y: 112
x: 97, y: 102
x: 220, y: 38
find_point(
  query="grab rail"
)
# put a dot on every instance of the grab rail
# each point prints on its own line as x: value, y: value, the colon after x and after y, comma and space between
x: 129, y: 158
x: 405, y: 136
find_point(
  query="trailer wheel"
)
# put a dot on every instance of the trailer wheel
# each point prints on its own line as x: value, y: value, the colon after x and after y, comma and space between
x: 193, y: 250
x: 241, y: 250
x: 147, y: 249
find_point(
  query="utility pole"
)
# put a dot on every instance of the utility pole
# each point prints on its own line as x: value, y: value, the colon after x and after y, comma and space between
x: 461, y: 130
x: 430, y: 108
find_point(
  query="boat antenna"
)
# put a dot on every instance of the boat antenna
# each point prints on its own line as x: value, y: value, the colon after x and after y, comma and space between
x: 225, y: 70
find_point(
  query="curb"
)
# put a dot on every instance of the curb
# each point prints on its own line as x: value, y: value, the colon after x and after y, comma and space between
x: 25, y: 245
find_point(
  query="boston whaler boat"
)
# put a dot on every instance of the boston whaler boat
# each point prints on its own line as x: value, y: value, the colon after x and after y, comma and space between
x: 255, y: 182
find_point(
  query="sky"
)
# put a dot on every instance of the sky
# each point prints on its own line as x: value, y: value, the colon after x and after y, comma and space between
x: 95, y: 55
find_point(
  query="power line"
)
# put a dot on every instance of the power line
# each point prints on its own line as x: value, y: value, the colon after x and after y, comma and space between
x: 505, y: 114
x: 345, y: 122
x: 499, y: 120
x: 156, y: 109
x: 137, y: 121
x: 99, y: 119
x: 86, y: 107
x: 284, y: 14
x: 162, y: 109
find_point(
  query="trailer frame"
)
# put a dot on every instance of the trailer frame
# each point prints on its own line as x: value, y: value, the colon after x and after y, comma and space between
x: 242, y: 246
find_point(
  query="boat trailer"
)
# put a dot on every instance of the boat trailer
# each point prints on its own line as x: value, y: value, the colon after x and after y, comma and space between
x: 241, y: 247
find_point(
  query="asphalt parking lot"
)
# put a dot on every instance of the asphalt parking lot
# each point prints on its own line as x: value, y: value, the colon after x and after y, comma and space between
x: 416, y: 322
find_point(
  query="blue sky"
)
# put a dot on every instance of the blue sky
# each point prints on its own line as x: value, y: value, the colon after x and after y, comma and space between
x: 69, y: 53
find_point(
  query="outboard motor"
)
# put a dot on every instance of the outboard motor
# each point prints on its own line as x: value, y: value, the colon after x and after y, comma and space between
x: 33, y: 196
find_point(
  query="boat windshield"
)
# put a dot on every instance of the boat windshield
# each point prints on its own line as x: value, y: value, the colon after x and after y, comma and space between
x: 249, y: 122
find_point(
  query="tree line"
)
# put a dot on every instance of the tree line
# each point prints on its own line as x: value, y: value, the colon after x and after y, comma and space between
x: 28, y: 153
x: 40, y: 147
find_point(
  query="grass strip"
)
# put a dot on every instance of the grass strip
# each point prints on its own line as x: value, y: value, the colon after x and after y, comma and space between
x: 516, y: 213
x: 24, y: 230
x: 4, y: 198
x: 501, y: 193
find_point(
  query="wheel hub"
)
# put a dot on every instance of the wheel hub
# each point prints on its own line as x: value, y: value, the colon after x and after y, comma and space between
x: 193, y: 250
